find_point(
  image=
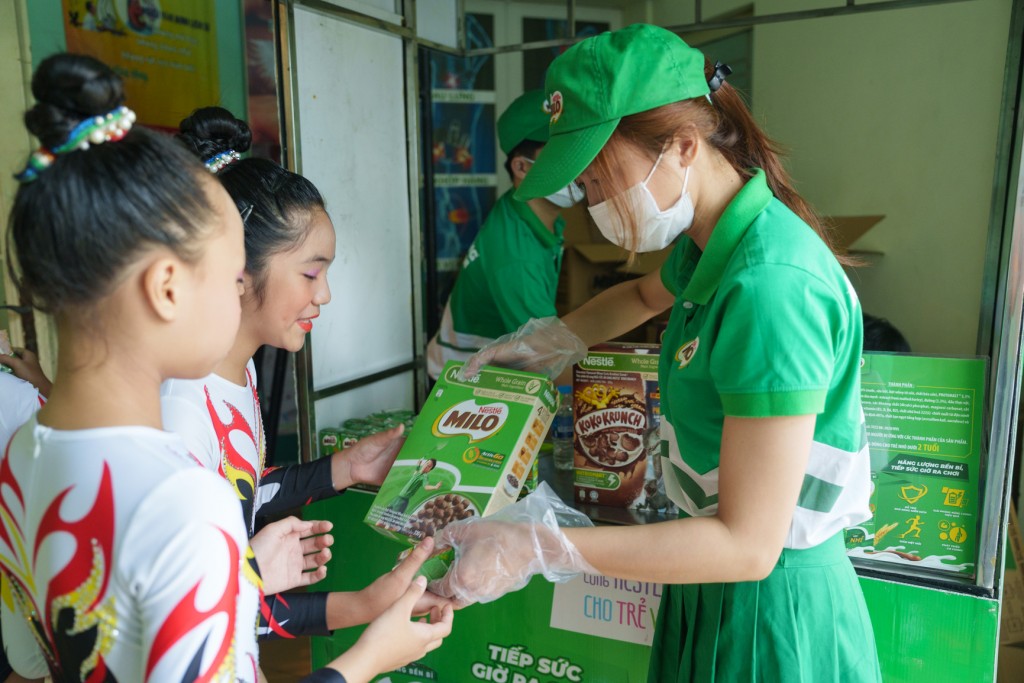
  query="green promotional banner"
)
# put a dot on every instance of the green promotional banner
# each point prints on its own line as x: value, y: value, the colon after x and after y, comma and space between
x: 592, y: 629
x: 924, y: 424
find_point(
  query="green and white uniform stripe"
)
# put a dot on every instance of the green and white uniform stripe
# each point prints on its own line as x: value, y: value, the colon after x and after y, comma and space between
x: 766, y: 324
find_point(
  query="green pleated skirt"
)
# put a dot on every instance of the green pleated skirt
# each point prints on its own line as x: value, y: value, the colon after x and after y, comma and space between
x: 805, y: 623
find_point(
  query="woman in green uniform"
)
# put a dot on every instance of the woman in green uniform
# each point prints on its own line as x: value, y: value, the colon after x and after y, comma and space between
x: 510, y: 272
x: 763, y: 434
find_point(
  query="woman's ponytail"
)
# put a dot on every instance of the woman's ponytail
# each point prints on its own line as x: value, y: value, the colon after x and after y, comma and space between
x: 725, y: 122
x: 742, y: 142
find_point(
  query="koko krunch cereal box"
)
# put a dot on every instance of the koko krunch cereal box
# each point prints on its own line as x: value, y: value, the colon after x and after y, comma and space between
x: 616, y: 416
x: 468, y: 454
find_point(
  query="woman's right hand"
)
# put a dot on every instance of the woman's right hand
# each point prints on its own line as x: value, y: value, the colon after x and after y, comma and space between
x: 542, y: 345
x: 393, y: 639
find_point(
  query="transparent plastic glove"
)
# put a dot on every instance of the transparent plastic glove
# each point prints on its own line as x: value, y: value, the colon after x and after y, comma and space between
x: 542, y: 345
x: 500, y: 553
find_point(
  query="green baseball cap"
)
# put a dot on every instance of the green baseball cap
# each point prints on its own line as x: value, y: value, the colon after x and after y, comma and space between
x: 596, y: 82
x: 525, y: 119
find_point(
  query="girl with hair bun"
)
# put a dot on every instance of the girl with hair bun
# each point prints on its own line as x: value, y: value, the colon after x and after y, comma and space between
x: 126, y: 242
x: 289, y: 245
x: 123, y: 560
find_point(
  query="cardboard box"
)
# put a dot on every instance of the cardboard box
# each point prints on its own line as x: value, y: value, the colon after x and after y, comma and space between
x: 469, y: 452
x: 616, y: 416
x: 579, y: 227
x: 592, y: 264
x: 848, y: 229
x: 1011, y: 619
x: 1011, y: 664
x: 589, y: 268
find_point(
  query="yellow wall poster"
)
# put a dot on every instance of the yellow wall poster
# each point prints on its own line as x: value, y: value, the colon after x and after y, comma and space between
x: 165, y: 50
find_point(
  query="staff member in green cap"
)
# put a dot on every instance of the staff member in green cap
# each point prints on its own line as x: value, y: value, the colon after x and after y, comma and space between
x: 510, y: 273
x: 763, y: 433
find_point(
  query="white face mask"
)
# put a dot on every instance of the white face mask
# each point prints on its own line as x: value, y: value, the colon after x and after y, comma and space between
x: 657, y: 228
x: 570, y: 195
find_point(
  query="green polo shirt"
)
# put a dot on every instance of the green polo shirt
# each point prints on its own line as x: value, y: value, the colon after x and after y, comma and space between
x: 509, y: 275
x: 765, y: 323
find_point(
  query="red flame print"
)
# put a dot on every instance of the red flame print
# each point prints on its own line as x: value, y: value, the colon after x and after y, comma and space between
x: 92, y: 533
x: 185, y: 617
x: 7, y: 480
x: 233, y: 466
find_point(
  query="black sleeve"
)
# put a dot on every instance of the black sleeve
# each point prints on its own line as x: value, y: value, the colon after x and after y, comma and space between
x: 284, y: 488
x: 5, y: 666
x: 287, y: 615
x: 324, y: 676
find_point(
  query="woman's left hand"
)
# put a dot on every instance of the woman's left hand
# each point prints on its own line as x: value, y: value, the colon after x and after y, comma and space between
x: 498, y: 554
x: 369, y: 460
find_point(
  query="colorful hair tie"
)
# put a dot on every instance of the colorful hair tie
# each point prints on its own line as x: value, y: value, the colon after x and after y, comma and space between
x: 110, y: 127
x: 38, y: 162
x: 219, y: 162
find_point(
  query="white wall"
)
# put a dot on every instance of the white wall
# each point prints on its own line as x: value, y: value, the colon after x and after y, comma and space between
x: 896, y: 113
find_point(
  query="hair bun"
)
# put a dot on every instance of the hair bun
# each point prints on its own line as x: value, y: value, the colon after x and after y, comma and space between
x: 212, y: 130
x: 68, y: 89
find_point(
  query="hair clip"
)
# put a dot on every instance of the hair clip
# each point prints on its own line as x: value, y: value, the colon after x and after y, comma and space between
x: 245, y: 211
x: 110, y: 127
x: 718, y: 77
x: 219, y: 162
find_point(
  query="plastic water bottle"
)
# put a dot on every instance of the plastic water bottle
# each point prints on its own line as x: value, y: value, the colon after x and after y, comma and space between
x: 561, y: 431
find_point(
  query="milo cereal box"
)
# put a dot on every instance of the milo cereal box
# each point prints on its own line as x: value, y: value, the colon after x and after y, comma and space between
x: 468, y: 454
x: 616, y: 416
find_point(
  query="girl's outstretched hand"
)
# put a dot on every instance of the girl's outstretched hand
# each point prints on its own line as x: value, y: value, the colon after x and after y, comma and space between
x: 393, y: 639
x: 383, y: 592
x: 369, y: 460
x: 292, y: 553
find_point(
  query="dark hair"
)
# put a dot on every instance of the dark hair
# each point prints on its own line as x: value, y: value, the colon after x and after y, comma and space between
x: 276, y: 204
x: 882, y: 335
x: 93, y: 211
x: 729, y: 127
x: 526, y: 148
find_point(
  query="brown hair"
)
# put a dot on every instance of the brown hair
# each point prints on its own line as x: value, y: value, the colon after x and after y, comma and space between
x: 728, y: 126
